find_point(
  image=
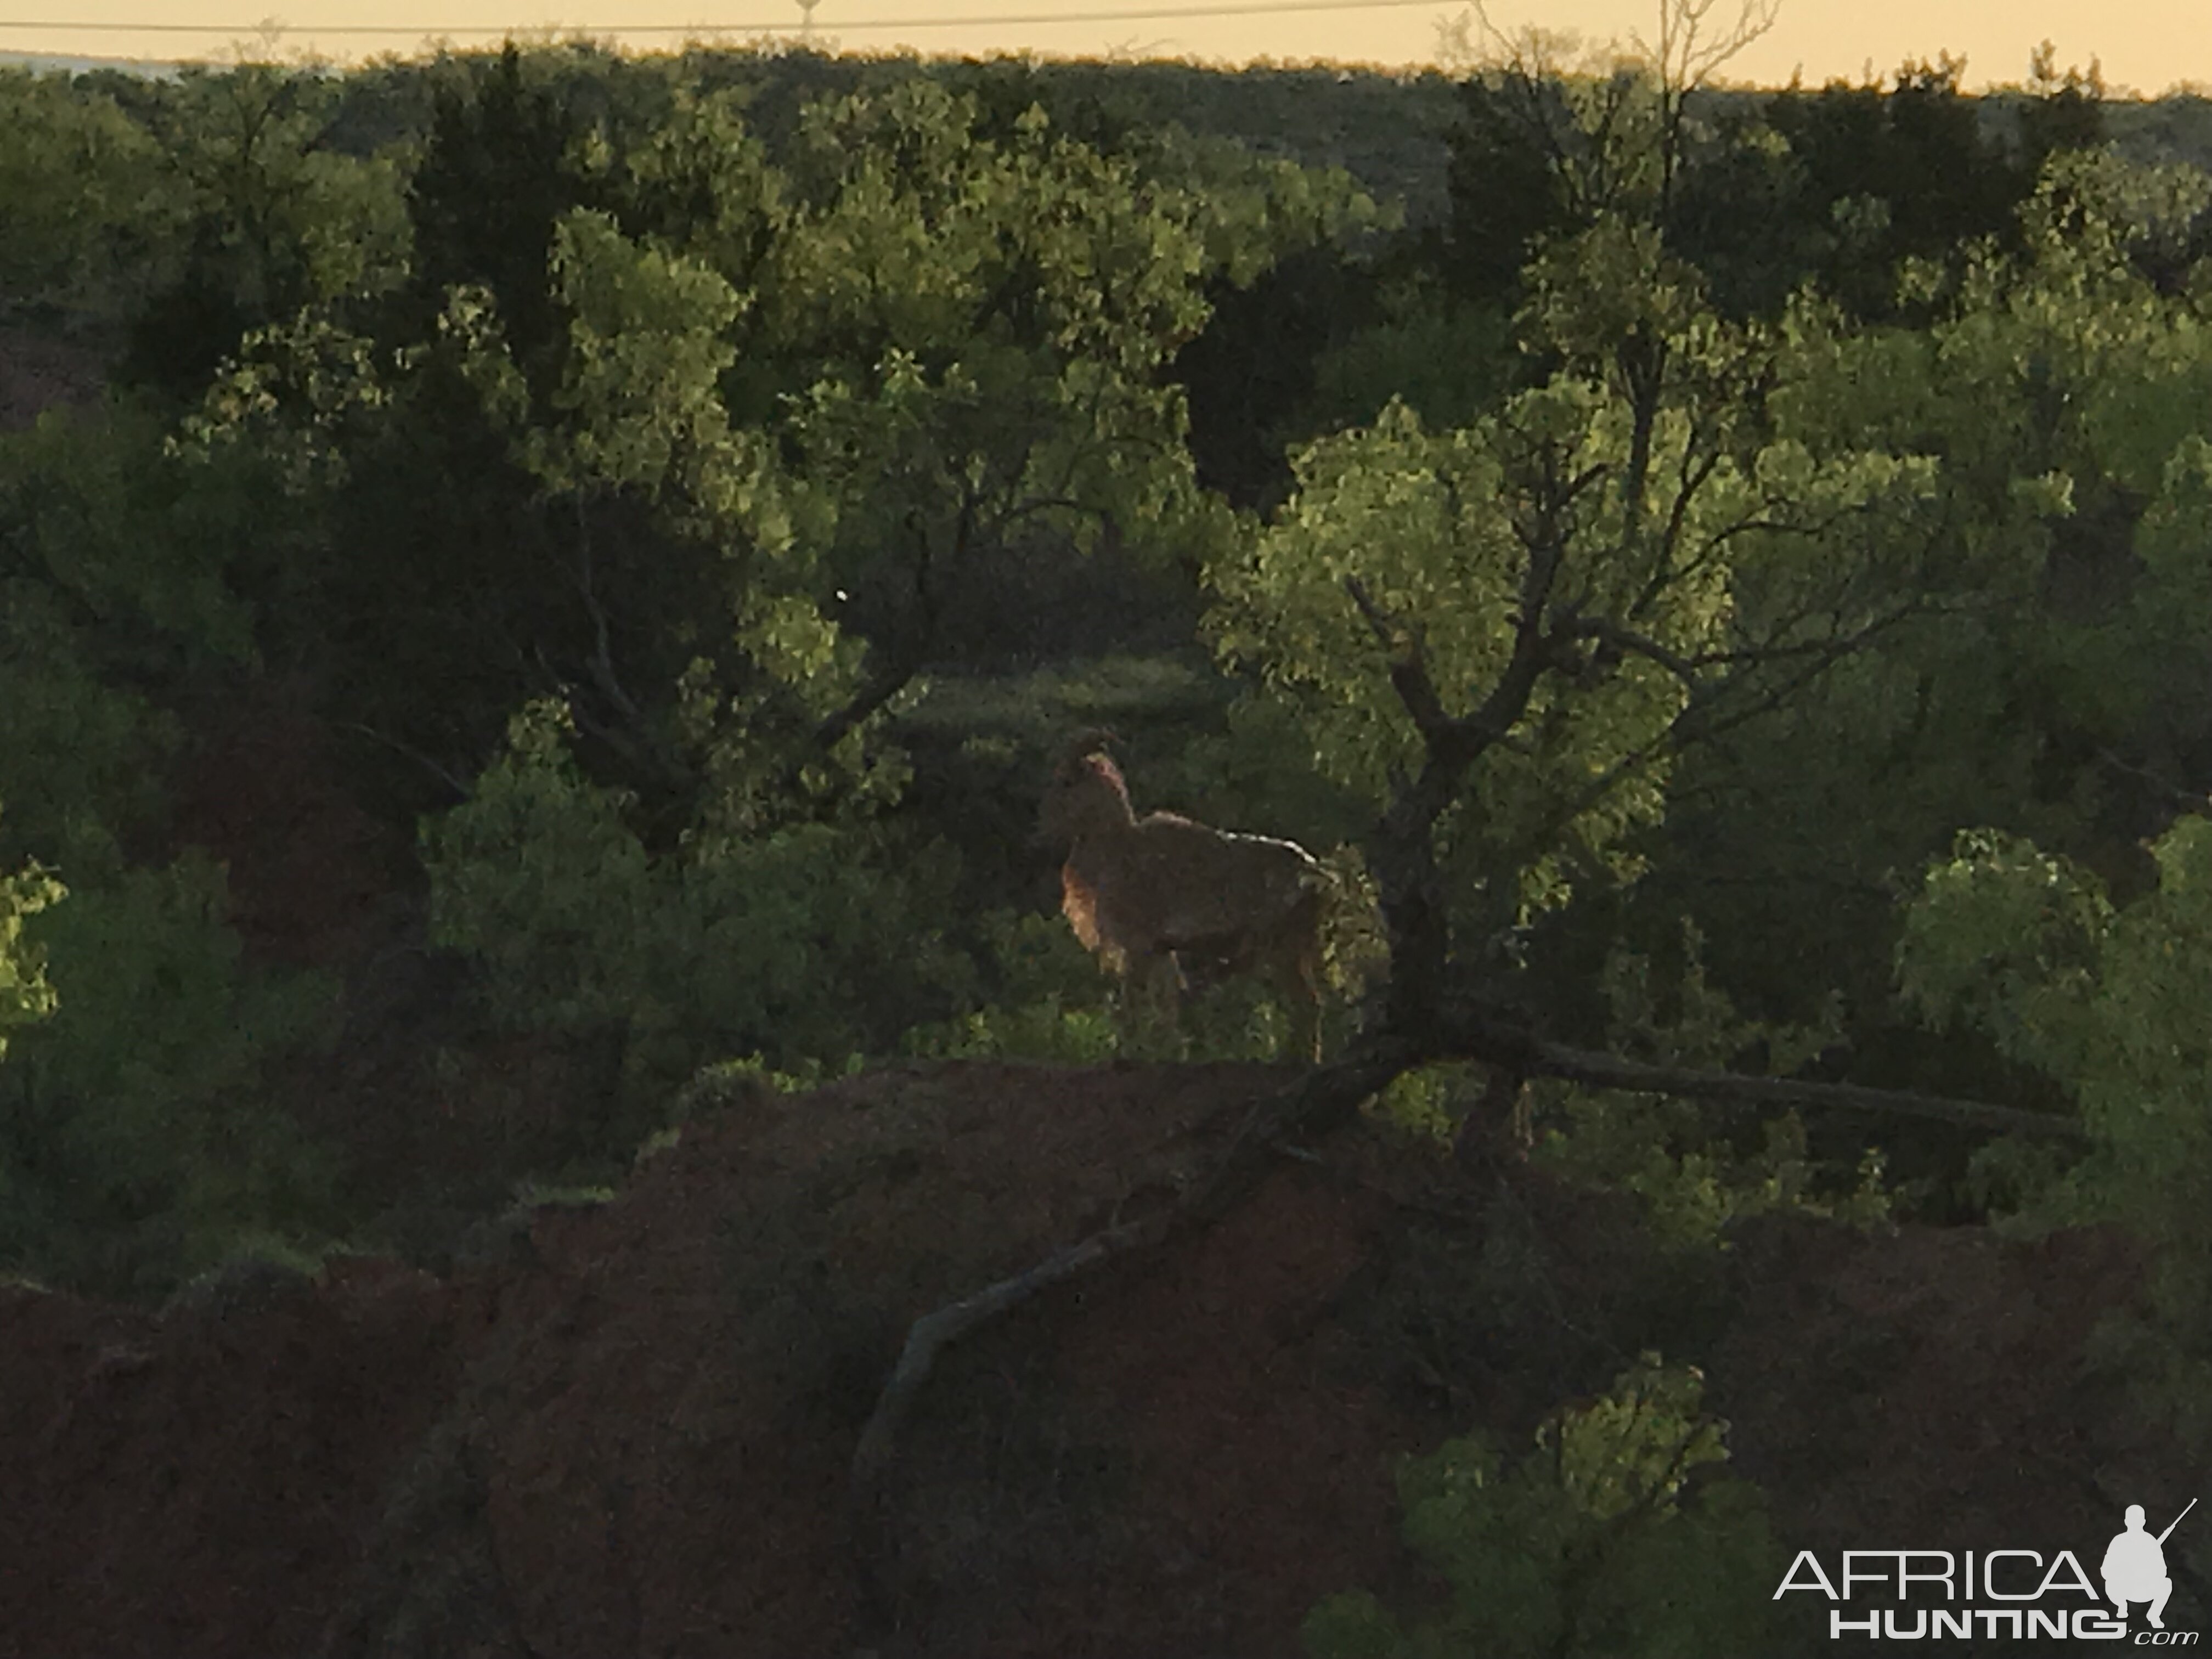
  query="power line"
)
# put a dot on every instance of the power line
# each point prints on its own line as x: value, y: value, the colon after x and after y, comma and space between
x: 1256, y: 7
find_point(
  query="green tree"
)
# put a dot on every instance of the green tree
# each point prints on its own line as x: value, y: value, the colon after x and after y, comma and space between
x: 2105, y: 1002
x: 1568, y: 592
x: 771, y: 943
x: 717, y: 465
x: 124, y: 573
x: 1016, y: 304
x: 274, y: 217
x: 1597, y: 1543
x: 137, y: 1136
x: 840, y: 401
x: 1761, y: 193
x: 88, y: 222
x: 2061, y: 395
x: 25, y: 994
x: 1694, y: 539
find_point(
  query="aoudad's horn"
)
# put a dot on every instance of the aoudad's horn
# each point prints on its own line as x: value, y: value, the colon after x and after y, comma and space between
x: 1095, y: 741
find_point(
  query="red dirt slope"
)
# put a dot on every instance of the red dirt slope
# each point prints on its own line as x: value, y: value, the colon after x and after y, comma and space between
x: 624, y: 1429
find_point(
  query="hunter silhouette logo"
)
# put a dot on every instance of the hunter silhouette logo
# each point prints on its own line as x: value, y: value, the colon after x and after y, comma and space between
x: 2023, y: 1595
x: 2134, y: 1565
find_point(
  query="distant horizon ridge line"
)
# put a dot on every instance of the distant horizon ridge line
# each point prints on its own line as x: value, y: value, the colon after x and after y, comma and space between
x: 1206, y: 8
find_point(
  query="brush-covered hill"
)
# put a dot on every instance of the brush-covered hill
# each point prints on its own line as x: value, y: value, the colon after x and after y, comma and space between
x: 626, y: 1429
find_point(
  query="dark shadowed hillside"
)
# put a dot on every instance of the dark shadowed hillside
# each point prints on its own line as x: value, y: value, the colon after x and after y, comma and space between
x: 624, y: 1429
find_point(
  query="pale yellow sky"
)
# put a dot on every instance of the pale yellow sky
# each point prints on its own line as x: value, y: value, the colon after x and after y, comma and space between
x: 2148, y: 46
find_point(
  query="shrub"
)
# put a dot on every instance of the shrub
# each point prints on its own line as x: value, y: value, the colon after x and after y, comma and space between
x: 1594, y: 1544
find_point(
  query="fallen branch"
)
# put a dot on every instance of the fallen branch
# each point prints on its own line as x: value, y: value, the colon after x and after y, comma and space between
x: 1479, y: 1034
x: 933, y: 1334
x: 1316, y: 1102
x: 1601, y: 1071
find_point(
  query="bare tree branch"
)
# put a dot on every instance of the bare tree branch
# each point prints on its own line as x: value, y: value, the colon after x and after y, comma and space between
x: 929, y: 1336
x: 1320, y: 1100
x: 462, y: 790
x: 2173, y: 793
x: 602, y: 662
x: 1403, y: 645
x: 1628, y: 642
x: 1485, y: 1039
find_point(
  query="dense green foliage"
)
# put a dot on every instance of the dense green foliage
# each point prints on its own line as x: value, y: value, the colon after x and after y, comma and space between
x: 767, y: 944
x: 1761, y: 193
x: 1604, y: 1540
x: 2106, y: 1002
x: 25, y: 994
x: 141, y: 1143
x: 539, y: 392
